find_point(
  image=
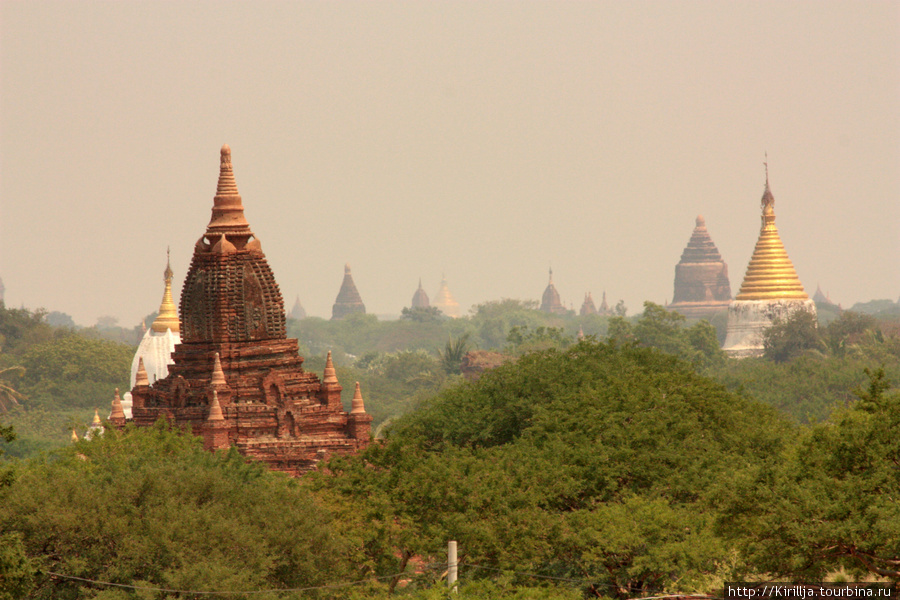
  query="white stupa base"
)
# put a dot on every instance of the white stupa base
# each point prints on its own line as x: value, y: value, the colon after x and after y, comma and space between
x: 748, y: 319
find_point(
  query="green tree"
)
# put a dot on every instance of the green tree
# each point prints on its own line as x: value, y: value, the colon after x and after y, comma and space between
x: 9, y: 396
x: 591, y: 463
x: 830, y: 501
x: 453, y: 353
x: 75, y: 371
x: 790, y: 337
x: 152, y: 507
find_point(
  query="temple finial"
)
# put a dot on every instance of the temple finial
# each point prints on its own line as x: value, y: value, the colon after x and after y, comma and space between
x: 140, y: 378
x: 168, y: 314
x: 357, y: 405
x: 330, y: 373
x: 117, y: 413
x: 218, y: 375
x: 215, y: 409
x: 228, y: 211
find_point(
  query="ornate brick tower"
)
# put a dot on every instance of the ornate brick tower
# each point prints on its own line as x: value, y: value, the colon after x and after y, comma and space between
x: 701, y: 277
x: 236, y: 378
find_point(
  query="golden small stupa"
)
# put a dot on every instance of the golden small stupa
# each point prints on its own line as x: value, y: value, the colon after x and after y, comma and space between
x: 770, y: 274
x: 168, y: 314
x: 770, y: 291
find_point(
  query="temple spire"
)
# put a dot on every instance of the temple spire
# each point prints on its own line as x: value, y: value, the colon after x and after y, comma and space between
x: 218, y: 376
x: 770, y: 274
x: 168, y: 314
x: 215, y: 409
x: 227, y: 211
x: 140, y: 378
x: 357, y: 406
x: 330, y: 373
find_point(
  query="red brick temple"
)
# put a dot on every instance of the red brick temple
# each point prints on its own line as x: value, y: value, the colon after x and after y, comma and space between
x: 237, y: 379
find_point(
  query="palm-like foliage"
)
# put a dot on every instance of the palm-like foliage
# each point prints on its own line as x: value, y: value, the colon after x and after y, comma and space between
x: 9, y: 396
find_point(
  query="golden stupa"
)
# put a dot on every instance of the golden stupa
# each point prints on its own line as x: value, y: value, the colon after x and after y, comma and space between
x: 770, y: 274
x: 168, y: 314
x: 771, y: 290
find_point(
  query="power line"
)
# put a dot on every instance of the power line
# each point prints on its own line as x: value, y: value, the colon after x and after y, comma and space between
x: 226, y: 593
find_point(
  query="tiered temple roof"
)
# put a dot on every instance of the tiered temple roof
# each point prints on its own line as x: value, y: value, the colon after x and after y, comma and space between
x: 702, y: 287
x: 420, y: 298
x: 298, y: 312
x: 588, y: 307
x: 348, y: 300
x: 550, y: 301
x: 235, y: 359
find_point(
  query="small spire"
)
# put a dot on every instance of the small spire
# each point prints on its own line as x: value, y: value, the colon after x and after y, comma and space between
x: 580, y: 333
x: 551, y: 275
x: 215, y: 409
x: 168, y: 314
x: 330, y: 374
x: 227, y: 211
x: 346, y: 268
x: 96, y: 420
x: 117, y: 411
x: 74, y: 436
x: 140, y: 378
x: 357, y: 405
x: 218, y: 376
x: 701, y: 222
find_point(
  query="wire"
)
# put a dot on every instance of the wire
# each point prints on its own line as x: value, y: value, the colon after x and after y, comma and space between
x: 224, y: 593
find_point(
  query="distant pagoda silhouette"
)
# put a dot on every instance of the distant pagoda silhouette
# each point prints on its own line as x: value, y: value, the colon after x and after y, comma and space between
x: 550, y: 301
x: 236, y: 378
x: 444, y: 300
x: 702, y: 287
x: 348, y: 300
x: 420, y: 298
x: 771, y: 289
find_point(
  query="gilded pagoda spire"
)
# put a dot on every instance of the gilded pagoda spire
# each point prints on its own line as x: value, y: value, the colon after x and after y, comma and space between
x: 168, y: 314
x: 770, y: 274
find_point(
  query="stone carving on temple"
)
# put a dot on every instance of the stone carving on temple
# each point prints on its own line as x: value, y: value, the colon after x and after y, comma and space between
x: 236, y: 378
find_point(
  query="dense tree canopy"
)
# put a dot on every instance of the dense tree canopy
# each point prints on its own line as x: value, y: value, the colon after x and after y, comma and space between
x: 592, y: 464
x: 151, y: 507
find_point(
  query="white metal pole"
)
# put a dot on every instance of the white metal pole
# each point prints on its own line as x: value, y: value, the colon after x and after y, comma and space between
x: 452, y: 566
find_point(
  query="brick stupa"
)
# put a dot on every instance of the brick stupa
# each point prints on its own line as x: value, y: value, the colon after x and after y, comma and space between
x: 702, y: 287
x: 348, y: 300
x: 420, y: 298
x: 550, y: 302
x: 236, y: 378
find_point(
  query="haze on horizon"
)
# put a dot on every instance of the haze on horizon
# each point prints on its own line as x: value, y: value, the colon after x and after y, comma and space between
x: 486, y: 141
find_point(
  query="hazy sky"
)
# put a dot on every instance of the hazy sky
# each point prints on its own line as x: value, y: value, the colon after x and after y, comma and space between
x: 487, y: 141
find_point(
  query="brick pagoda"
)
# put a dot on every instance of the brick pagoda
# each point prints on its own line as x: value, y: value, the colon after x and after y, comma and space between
x: 702, y: 287
x: 236, y: 378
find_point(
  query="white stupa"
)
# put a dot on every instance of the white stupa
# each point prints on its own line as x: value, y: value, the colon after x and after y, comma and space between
x: 158, y: 343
